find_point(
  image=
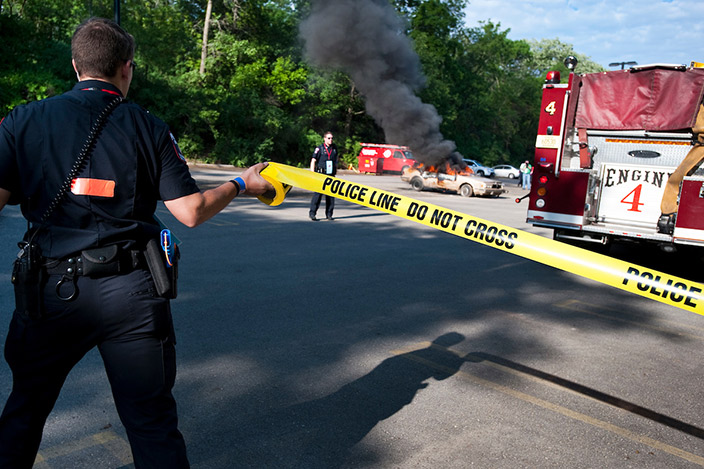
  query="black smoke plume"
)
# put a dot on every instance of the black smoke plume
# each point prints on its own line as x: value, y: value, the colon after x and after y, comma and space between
x: 365, y: 39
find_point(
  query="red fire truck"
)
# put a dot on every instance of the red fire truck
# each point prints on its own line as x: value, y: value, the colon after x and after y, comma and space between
x: 613, y: 149
x: 378, y: 158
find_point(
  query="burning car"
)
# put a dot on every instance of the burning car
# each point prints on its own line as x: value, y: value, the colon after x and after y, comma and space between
x: 463, y: 181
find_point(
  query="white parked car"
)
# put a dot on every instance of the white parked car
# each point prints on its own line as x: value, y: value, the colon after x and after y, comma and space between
x: 506, y: 171
x: 479, y: 169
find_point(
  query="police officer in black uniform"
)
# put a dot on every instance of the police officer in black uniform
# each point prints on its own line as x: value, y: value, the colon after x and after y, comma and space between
x: 134, y: 162
x: 324, y: 161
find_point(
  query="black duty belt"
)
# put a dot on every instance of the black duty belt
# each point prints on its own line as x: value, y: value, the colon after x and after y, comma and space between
x: 94, y: 264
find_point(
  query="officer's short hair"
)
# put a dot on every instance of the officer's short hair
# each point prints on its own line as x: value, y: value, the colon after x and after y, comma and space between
x: 100, y: 47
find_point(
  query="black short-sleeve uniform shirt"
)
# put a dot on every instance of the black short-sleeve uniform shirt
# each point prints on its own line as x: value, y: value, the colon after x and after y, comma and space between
x: 134, y: 163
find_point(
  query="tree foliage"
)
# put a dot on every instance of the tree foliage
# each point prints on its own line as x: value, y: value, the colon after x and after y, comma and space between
x: 259, y: 100
x: 549, y: 54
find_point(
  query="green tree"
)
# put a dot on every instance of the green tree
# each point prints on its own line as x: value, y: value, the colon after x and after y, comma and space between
x: 435, y: 27
x: 499, y: 108
x: 481, y: 82
x: 549, y: 54
x: 34, y: 66
x: 259, y: 100
x: 252, y: 86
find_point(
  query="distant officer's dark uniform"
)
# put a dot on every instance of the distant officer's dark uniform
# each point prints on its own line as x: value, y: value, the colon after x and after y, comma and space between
x: 326, y: 163
x: 135, y: 163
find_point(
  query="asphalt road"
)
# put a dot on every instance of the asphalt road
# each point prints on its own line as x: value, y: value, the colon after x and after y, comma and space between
x: 374, y: 342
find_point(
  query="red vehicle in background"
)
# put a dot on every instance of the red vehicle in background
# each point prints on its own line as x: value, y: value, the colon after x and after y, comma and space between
x: 379, y: 158
x: 612, y: 148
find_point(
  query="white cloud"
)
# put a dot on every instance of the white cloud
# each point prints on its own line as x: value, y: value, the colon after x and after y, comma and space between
x: 646, y: 31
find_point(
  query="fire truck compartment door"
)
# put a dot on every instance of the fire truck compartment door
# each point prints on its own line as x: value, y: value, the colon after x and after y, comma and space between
x: 690, y: 223
x: 630, y: 195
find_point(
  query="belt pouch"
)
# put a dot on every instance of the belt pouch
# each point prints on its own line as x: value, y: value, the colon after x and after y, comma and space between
x: 164, y: 277
x: 28, y: 279
x: 101, y: 262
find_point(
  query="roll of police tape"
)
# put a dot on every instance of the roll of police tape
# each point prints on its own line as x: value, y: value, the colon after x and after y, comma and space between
x: 278, y: 195
x: 633, y: 278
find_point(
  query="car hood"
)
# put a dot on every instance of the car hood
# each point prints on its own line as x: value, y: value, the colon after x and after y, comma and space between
x: 473, y: 177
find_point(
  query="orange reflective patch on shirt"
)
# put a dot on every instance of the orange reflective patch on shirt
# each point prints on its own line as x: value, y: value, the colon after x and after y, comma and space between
x: 93, y: 187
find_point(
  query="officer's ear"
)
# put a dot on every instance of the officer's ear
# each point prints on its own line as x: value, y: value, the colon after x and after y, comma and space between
x: 126, y: 70
x: 78, y: 75
x: 123, y: 77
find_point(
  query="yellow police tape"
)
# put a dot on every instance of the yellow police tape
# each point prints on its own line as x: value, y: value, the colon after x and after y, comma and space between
x: 279, y: 194
x: 633, y: 278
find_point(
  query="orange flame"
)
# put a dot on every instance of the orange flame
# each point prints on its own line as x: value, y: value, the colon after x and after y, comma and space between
x: 446, y: 169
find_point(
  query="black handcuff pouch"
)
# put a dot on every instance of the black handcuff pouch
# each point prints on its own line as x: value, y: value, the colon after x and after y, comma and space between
x: 29, y: 279
x: 101, y: 262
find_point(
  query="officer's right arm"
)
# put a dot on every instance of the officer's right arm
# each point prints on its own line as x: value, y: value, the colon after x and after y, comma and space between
x: 194, y: 209
x: 4, y: 197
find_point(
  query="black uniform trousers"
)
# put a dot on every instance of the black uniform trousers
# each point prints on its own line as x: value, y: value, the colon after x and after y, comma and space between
x: 315, y: 203
x: 133, y: 330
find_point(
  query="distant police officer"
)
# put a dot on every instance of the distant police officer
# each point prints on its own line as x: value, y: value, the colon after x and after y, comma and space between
x: 104, y: 222
x: 324, y: 161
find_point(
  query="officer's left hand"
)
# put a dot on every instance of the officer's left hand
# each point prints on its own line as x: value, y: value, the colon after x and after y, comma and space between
x: 255, y: 184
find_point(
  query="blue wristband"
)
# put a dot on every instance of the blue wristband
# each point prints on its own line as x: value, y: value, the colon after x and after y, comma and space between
x: 240, y: 184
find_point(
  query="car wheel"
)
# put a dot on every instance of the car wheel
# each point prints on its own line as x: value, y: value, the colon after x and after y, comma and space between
x: 480, y: 173
x: 466, y: 190
x: 417, y: 183
x: 512, y: 176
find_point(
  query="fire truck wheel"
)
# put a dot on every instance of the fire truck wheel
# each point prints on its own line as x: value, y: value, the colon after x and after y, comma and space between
x: 466, y: 190
x: 417, y: 183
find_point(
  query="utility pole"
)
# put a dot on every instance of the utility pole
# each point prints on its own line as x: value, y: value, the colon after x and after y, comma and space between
x: 622, y: 64
x: 117, y: 11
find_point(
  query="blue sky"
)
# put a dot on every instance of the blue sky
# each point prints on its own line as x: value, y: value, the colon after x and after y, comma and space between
x: 644, y: 31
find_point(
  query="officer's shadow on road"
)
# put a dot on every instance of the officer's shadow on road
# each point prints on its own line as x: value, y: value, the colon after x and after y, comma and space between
x: 320, y: 433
